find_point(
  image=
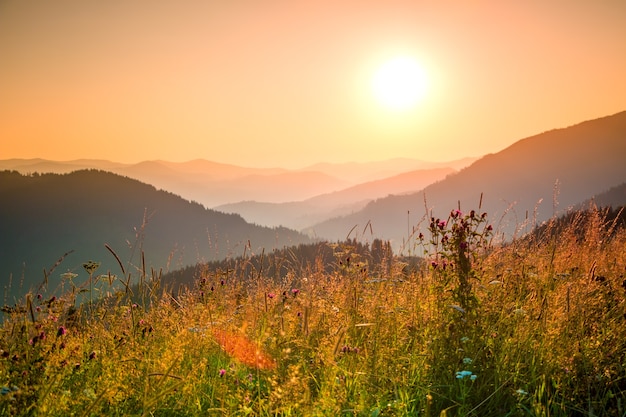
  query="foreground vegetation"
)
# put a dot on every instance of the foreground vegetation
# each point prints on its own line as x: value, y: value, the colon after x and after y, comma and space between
x: 535, y: 327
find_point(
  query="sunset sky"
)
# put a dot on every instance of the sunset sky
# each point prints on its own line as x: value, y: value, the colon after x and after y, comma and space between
x: 290, y: 83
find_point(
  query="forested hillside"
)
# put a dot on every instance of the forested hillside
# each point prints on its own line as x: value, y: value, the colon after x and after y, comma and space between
x: 44, y: 216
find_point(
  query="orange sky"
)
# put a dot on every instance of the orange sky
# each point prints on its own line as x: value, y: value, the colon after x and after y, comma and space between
x: 287, y: 83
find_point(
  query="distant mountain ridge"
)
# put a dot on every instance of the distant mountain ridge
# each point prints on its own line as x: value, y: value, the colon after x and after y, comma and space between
x: 213, y: 184
x: 43, y: 216
x: 301, y: 214
x: 360, y: 172
x: 535, y: 178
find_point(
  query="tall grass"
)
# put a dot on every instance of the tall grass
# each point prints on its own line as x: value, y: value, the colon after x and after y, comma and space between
x: 534, y: 327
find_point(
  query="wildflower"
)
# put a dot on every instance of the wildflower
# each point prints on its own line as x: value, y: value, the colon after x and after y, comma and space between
x: 62, y: 330
x: 441, y: 224
x: 521, y: 392
x: 91, y: 266
x: 92, y: 355
x: 295, y: 291
x: 464, y: 374
x: 222, y: 372
x: 68, y: 276
x: 465, y: 339
x: 4, y: 390
x: 434, y: 264
x: 271, y: 295
x: 467, y: 361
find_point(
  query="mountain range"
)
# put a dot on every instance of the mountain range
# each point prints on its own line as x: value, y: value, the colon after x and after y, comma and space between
x: 213, y: 184
x: 301, y: 214
x: 530, y: 181
x: 77, y: 211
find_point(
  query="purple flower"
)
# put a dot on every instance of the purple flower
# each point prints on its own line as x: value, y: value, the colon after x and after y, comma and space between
x: 271, y: 295
x: 222, y: 372
x: 295, y: 291
x: 62, y: 330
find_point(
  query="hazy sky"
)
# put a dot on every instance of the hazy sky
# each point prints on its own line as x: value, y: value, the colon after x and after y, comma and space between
x: 288, y: 83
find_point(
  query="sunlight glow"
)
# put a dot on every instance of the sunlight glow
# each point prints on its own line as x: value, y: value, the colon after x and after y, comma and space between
x: 400, y: 83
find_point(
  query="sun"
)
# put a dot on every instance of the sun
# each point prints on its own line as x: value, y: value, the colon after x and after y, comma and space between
x: 400, y: 83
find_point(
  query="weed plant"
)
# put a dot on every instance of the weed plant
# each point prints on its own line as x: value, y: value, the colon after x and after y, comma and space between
x: 534, y: 327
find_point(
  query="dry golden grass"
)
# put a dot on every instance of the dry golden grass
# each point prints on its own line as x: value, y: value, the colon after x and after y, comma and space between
x: 541, y: 330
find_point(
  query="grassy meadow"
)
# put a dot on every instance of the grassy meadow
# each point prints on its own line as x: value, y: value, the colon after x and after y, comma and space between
x: 533, y: 327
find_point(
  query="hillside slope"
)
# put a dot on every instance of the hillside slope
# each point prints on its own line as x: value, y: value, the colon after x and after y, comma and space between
x: 44, y: 216
x: 535, y: 176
